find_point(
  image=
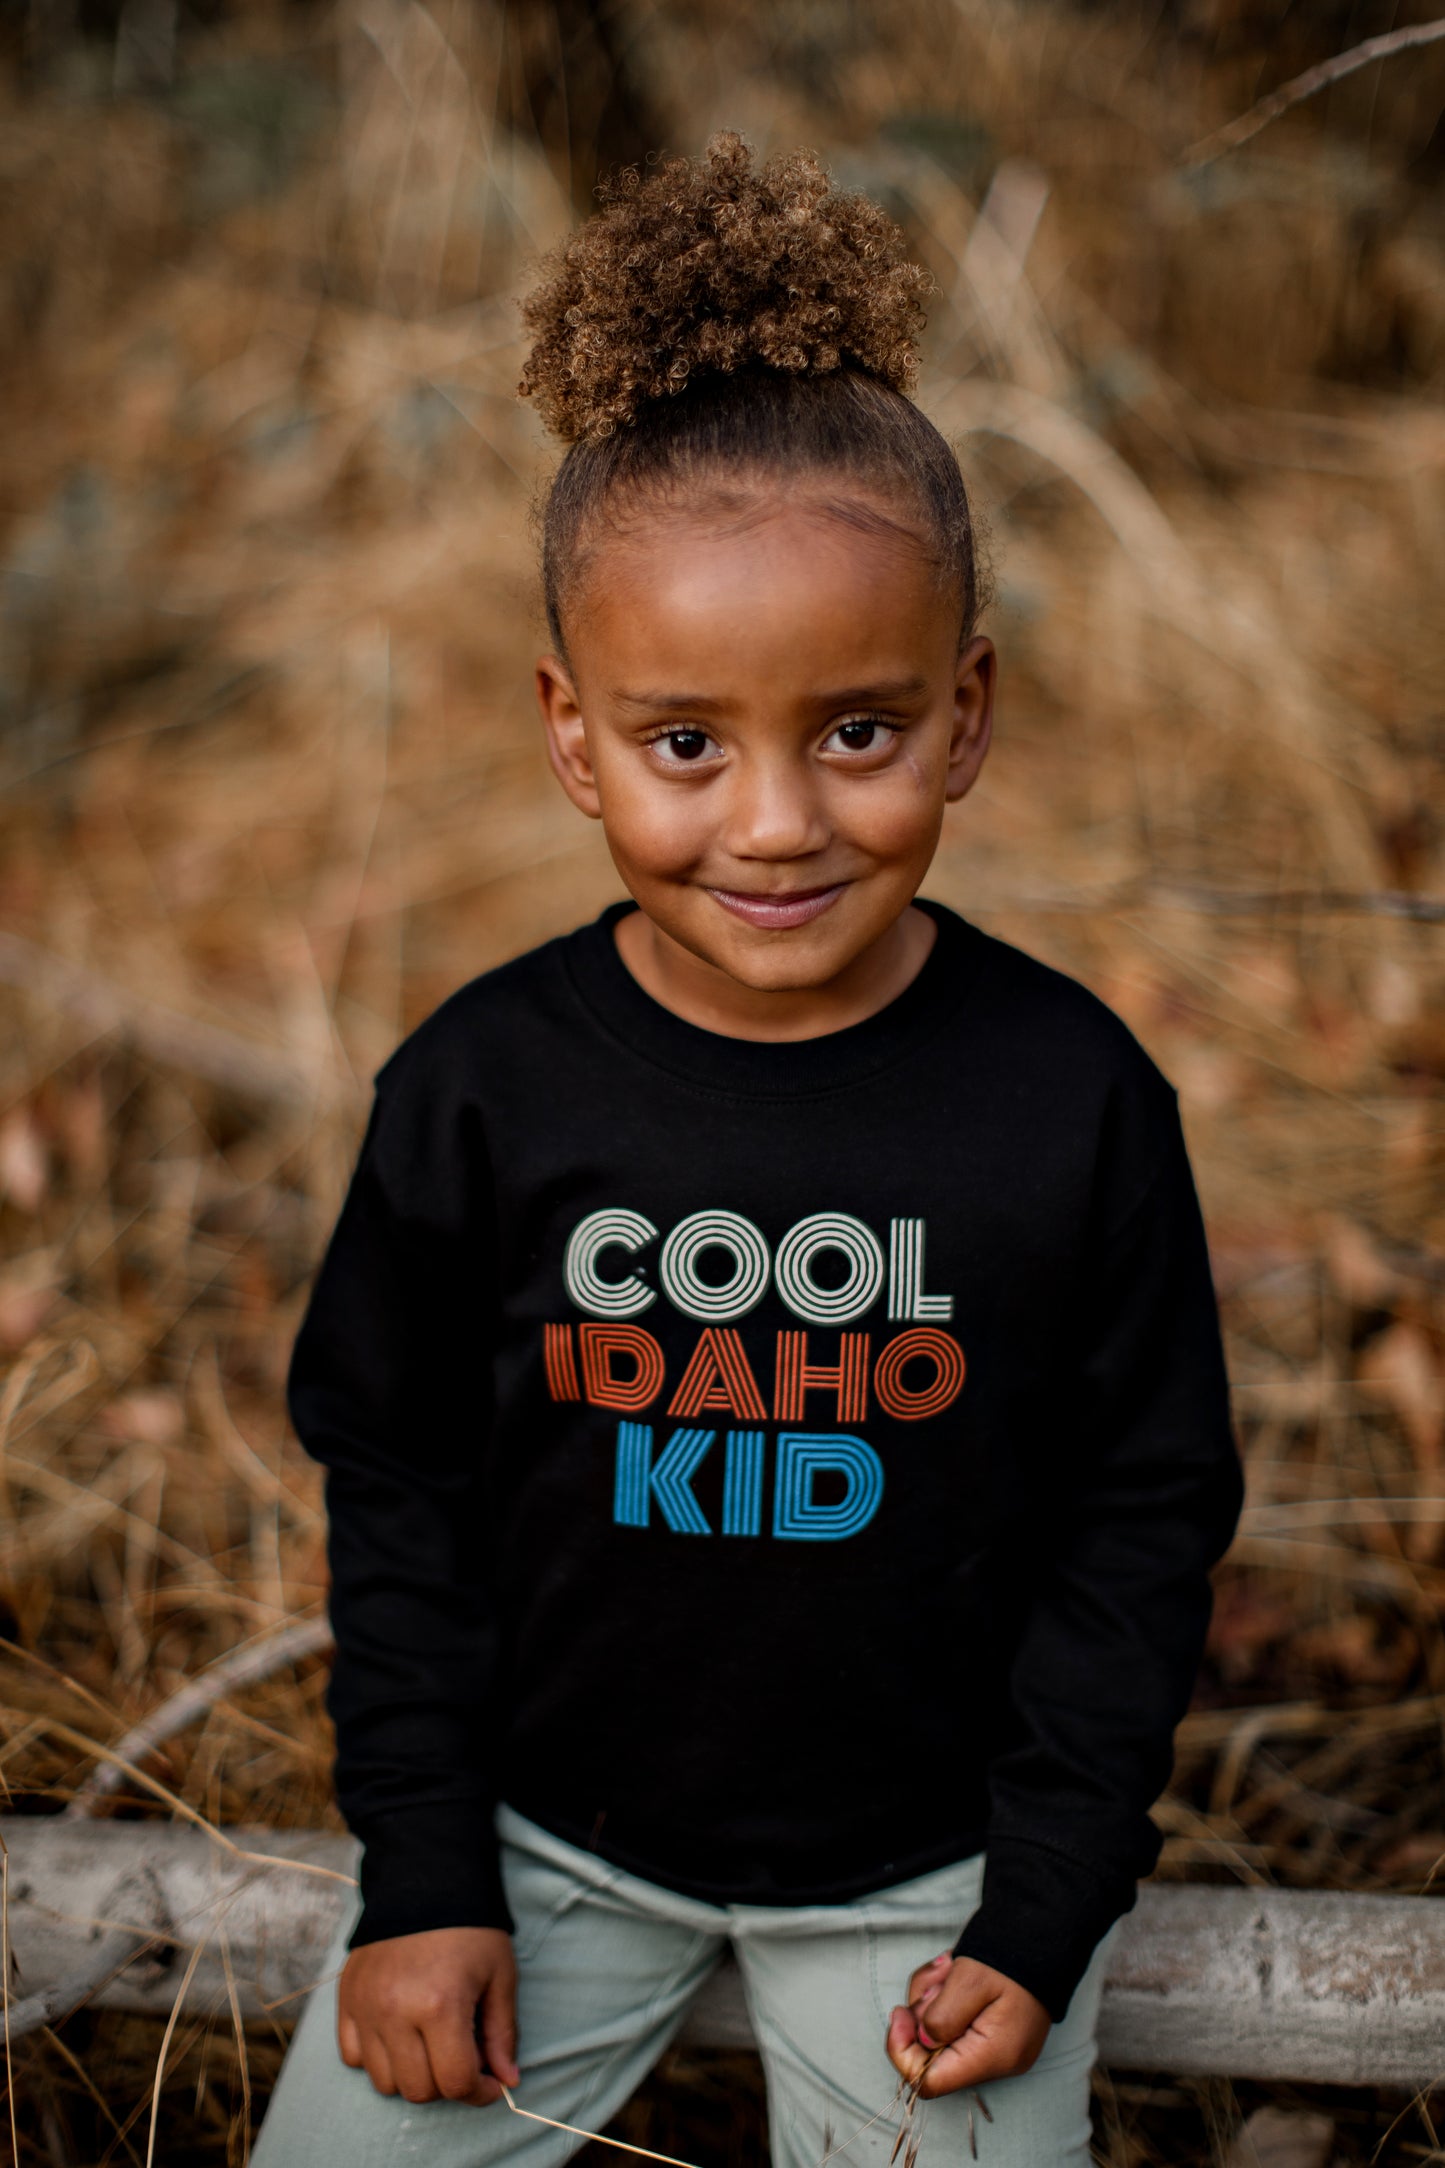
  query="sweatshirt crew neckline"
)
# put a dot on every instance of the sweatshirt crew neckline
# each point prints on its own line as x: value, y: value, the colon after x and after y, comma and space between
x: 772, y: 1068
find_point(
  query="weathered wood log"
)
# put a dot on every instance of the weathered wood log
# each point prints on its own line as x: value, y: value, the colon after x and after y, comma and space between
x: 1241, y: 1983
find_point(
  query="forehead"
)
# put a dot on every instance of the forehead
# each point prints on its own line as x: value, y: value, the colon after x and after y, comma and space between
x: 779, y: 583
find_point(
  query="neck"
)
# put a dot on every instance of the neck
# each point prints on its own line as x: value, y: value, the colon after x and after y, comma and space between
x: 701, y: 994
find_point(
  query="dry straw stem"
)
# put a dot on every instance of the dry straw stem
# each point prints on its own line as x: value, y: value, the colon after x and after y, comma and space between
x: 218, y: 1837
x: 164, y: 2050
x: 1173, y: 587
x: 617, y: 2145
x: 620, y: 2145
x: 1309, y: 85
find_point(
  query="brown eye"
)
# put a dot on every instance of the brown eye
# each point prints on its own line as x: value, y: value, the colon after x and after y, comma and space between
x: 866, y: 735
x: 676, y: 747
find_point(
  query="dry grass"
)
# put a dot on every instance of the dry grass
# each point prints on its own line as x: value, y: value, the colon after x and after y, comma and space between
x: 266, y: 618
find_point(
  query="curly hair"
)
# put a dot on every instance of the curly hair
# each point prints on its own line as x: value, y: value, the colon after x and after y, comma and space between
x: 719, y: 317
x: 715, y: 267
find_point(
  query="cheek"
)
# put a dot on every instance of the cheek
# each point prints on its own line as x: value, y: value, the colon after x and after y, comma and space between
x: 897, y: 813
x: 652, y: 825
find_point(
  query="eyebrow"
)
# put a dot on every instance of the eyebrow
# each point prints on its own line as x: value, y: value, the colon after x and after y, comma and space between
x: 662, y: 702
x: 850, y: 696
x: 858, y: 696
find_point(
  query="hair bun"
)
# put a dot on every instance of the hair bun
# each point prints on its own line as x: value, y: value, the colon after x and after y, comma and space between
x: 717, y: 265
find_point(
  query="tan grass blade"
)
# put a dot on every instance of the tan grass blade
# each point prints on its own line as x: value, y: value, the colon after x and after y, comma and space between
x: 593, y: 2137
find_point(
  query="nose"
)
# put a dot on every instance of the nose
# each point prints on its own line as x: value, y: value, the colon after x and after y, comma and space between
x: 776, y: 811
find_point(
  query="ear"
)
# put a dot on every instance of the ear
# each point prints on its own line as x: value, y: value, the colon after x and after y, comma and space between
x: 972, y: 717
x: 566, y: 735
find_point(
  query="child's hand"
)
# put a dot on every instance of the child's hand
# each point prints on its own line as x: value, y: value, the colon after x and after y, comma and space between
x: 964, y: 2024
x: 410, y: 2012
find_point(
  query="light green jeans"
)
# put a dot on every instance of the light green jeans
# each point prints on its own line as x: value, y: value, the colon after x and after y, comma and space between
x: 607, y: 1966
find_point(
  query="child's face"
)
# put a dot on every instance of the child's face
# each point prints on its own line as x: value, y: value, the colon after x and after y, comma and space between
x: 767, y: 709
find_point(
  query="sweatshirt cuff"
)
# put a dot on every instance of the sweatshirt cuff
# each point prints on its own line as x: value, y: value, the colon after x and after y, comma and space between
x: 1042, y: 1916
x: 426, y: 1867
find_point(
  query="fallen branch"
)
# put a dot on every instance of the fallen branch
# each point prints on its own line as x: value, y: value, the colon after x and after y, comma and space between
x: 124, y: 1945
x: 49, y: 2005
x: 1267, y: 1983
x: 1308, y: 85
x: 165, y: 1035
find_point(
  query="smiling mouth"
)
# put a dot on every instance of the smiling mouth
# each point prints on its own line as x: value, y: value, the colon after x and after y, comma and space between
x: 778, y: 913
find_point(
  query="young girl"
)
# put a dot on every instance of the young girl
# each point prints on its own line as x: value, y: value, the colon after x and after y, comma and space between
x: 766, y: 1366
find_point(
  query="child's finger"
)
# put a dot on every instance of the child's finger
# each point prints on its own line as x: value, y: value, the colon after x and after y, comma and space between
x: 929, y: 1978
x: 411, y: 2065
x: 348, y: 2039
x: 498, y: 2029
x: 376, y: 2062
x: 456, y: 2061
x: 904, y: 2052
x: 976, y: 2059
x: 964, y: 1994
x: 950, y: 2069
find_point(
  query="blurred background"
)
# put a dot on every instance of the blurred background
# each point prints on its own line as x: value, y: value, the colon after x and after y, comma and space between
x: 272, y: 788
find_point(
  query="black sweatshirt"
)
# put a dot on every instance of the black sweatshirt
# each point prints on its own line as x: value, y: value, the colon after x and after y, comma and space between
x: 781, y: 1469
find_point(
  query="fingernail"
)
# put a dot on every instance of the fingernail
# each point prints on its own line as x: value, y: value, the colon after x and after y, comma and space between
x: 926, y: 2037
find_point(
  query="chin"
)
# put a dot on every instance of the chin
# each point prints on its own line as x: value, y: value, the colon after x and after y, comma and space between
x: 777, y: 974
x: 784, y: 963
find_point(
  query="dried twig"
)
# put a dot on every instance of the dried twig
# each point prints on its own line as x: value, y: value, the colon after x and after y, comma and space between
x: 1234, y: 902
x: 1308, y: 85
x: 256, y: 1660
x: 1325, y: 902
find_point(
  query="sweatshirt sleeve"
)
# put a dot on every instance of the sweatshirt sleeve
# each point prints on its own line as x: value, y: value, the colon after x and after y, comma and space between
x: 389, y: 1389
x: 1112, y: 1643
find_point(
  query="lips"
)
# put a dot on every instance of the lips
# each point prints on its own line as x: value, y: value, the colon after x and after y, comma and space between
x: 778, y: 913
